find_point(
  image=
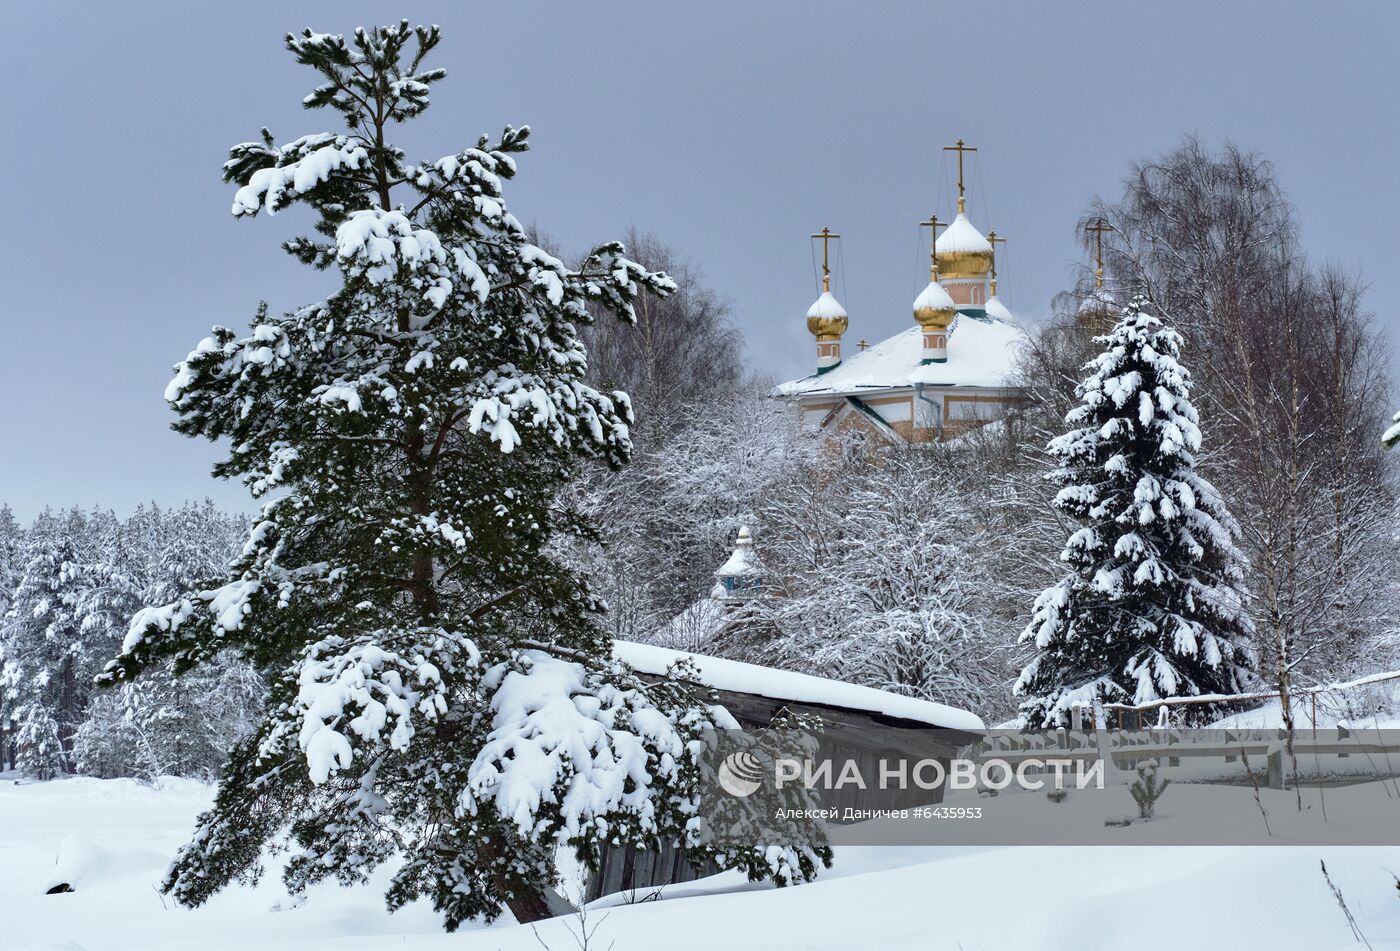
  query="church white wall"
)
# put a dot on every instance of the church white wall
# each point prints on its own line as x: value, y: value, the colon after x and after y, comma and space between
x: 896, y: 412
x: 981, y: 410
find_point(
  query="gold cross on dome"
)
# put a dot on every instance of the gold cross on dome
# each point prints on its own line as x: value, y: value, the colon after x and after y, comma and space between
x: 932, y: 224
x: 993, y: 240
x: 1098, y: 228
x: 960, y: 149
x: 826, y: 234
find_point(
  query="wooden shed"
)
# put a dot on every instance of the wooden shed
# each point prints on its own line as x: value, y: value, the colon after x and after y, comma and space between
x: 861, y: 724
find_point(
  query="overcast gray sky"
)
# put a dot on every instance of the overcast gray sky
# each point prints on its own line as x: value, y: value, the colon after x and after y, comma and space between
x: 732, y: 130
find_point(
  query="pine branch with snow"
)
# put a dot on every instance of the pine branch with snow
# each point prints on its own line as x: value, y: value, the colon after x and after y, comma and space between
x: 1148, y: 788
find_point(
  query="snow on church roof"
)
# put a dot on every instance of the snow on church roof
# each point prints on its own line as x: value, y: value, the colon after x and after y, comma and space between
x: 996, y: 309
x: 784, y: 685
x: 981, y: 350
x: 962, y: 235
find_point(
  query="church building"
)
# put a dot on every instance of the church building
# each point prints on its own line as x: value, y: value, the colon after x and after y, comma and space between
x: 938, y: 378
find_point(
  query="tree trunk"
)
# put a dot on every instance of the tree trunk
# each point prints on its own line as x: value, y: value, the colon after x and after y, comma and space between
x: 68, y: 719
x: 527, y: 906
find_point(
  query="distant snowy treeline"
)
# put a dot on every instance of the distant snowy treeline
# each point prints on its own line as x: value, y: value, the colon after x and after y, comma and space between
x: 69, y: 585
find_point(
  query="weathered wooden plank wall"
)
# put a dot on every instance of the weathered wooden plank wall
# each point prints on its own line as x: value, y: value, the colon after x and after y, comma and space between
x: 850, y: 734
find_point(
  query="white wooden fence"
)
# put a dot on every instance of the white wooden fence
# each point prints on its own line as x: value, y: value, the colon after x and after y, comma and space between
x: 1219, y: 755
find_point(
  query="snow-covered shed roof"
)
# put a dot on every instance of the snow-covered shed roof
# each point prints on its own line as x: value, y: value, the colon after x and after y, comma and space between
x: 981, y: 350
x: 789, y: 687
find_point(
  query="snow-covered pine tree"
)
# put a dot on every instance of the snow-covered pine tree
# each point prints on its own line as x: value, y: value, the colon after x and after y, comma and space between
x: 11, y: 555
x: 46, y: 661
x: 160, y: 724
x: 1151, y: 606
x: 442, y: 689
x: 110, y: 590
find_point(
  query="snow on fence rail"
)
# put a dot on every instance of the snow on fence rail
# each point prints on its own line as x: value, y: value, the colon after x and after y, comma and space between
x: 1311, y: 693
x: 1211, y: 754
x: 1208, y: 755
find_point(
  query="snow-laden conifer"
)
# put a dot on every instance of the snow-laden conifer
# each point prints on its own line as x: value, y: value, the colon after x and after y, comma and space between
x: 1151, y: 606
x: 47, y: 656
x: 11, y: 557
x: 442, y: 691
x: 160, y: 724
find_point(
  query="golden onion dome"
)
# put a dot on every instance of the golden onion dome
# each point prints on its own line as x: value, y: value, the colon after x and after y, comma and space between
x: 1098, y: 303
x: 1098, y: 311
x: 826, y: 318
x: 963, y: 252
x: 934, y: 308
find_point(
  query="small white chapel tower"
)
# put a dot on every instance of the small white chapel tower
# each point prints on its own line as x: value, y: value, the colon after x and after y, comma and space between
x: 741, y: 577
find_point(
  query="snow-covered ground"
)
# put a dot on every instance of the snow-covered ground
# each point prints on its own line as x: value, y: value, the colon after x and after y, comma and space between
x: 112, y: 840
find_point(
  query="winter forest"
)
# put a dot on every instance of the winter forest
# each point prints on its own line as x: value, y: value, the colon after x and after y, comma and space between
x: 486, y: 458
x: 913, y: 570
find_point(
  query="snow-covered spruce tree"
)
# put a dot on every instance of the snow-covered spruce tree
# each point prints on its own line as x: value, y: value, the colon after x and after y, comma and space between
x: 160, y: 724
x: 11, y: 556
x: 47, y: 658
x: 442, y: 690
x: 11, y: 561
x: 1151, y: 606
